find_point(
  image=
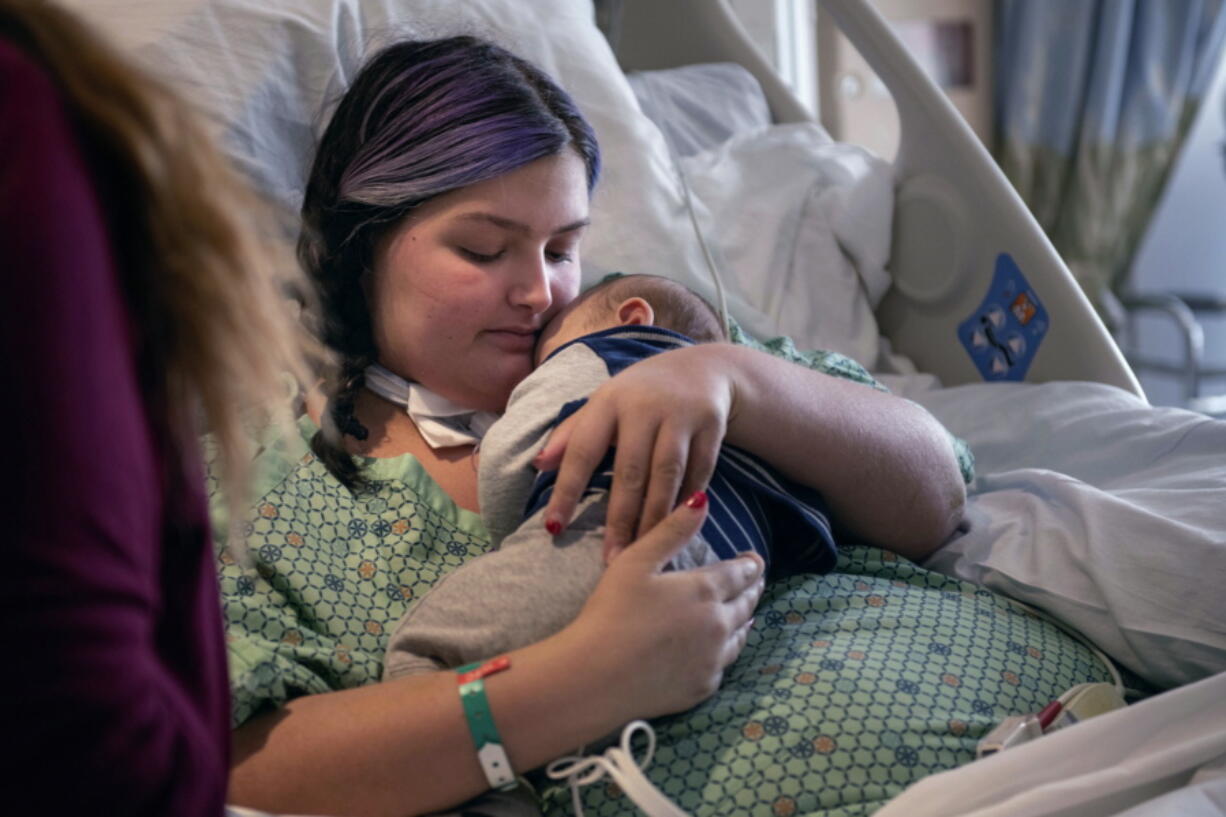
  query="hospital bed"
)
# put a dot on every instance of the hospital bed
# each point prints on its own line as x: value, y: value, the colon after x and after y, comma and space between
x: 1090, y: 505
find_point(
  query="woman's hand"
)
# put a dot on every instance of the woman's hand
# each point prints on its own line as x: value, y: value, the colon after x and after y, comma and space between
x: 646, y: 643
x: 883, y: 464
x: 666, y: 637
x: 667, y: 416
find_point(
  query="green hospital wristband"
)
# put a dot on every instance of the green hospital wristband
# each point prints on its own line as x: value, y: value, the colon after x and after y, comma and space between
x: 486, y: 740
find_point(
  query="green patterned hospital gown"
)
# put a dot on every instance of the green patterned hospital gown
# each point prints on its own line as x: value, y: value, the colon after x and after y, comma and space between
x: 852, y: 685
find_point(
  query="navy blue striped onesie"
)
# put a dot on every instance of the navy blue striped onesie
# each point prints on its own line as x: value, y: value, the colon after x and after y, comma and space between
x: 752, y: 505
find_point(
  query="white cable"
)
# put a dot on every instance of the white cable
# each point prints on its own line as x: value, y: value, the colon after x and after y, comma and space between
x: 721, y: 301
x: 617, y: 762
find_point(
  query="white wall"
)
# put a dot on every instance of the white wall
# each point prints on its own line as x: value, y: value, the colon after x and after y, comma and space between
x: 951, y: 39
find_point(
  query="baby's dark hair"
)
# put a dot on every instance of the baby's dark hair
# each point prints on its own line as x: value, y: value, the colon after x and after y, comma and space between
x: 676, y: 306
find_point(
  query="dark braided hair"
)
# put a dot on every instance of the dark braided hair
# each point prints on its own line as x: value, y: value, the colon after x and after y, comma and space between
x: 420, y: 119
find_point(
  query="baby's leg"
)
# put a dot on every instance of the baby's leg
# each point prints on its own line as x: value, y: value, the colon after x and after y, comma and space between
x: 527, y: 590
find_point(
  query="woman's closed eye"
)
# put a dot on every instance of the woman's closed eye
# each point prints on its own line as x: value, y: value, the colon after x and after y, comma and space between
x: 481, y: 257
x: 553, y: 256
x: 563, y: 249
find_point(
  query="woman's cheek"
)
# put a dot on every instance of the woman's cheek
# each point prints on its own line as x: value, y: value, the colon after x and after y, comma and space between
x: 566, y: 285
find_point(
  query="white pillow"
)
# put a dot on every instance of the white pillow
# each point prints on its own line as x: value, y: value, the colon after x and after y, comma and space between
x: 801, y: 228
x: 267, y: 71
x: 698, y: 107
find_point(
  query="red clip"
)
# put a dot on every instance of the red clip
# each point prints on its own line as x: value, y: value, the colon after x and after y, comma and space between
x: 490, y: 667
x: 1049, y: 714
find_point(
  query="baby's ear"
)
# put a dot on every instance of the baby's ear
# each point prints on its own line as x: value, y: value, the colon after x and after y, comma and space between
x: 635, y: 312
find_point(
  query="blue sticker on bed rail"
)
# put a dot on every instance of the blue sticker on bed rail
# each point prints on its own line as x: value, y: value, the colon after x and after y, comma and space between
x: 1003, y: 334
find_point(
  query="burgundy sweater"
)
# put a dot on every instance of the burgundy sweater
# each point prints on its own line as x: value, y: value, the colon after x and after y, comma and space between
x: 113, y: 690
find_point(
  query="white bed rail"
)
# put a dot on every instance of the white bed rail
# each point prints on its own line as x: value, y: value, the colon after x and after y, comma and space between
x: 955, y: 213
x: 654, y: 34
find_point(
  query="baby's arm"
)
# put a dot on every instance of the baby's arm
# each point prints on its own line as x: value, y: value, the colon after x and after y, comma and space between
x: 505, y: 458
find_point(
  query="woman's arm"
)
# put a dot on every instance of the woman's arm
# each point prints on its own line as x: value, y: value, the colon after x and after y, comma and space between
x: 884, y: 465
x: 647, y: 643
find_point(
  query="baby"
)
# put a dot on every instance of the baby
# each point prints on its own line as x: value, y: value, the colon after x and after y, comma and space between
x: 532, y: 584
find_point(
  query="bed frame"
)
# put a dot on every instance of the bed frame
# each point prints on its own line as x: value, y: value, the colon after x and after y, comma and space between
x: 955, y: 211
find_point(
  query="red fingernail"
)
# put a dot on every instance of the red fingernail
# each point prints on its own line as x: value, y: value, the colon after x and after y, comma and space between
x: 553, y: 526
x: 697, y: 500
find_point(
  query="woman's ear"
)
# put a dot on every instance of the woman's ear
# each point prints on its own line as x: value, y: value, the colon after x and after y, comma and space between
x: 635, y: 312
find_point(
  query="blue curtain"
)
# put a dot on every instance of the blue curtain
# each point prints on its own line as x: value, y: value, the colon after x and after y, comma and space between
x: 1092, y: 100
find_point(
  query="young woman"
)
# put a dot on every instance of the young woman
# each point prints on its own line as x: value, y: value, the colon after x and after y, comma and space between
x: 141, y: 313
x: 442, y: 223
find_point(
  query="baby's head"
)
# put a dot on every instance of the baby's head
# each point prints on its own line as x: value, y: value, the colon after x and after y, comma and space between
x: 644, y: 300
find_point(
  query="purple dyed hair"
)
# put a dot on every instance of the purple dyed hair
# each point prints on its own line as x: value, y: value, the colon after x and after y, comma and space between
x: 421, y: 119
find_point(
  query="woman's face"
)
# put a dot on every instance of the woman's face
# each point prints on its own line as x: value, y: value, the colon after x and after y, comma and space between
x: 462, y: 288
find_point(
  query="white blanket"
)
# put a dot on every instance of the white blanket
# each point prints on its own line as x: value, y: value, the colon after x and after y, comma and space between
x: 1110, y: 515
x: 1164, y: 756
x: 1103, y: 511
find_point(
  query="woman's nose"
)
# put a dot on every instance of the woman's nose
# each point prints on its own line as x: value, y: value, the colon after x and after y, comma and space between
x: 533, y: 285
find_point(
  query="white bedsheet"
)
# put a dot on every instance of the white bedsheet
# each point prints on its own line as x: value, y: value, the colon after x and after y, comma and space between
x: 1101, y: 510
x: 1110, y: 515
x: 1163, y: 756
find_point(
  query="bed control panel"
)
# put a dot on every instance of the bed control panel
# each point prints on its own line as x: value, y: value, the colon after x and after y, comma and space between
x: 1005, y: 330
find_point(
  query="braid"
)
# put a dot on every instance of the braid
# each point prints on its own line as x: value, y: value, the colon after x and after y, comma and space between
x: 353, y: 378
x: 339, y: 421
x: 347, y: 330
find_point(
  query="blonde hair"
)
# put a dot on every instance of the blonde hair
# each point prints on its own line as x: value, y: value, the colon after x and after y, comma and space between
x: 215, y: 336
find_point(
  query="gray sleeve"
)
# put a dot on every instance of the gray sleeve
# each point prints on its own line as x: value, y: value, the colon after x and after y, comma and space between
x: 505, y: 472
x: 529, y: 589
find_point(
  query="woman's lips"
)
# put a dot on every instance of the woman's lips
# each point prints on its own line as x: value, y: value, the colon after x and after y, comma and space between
x: 513, y: 340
